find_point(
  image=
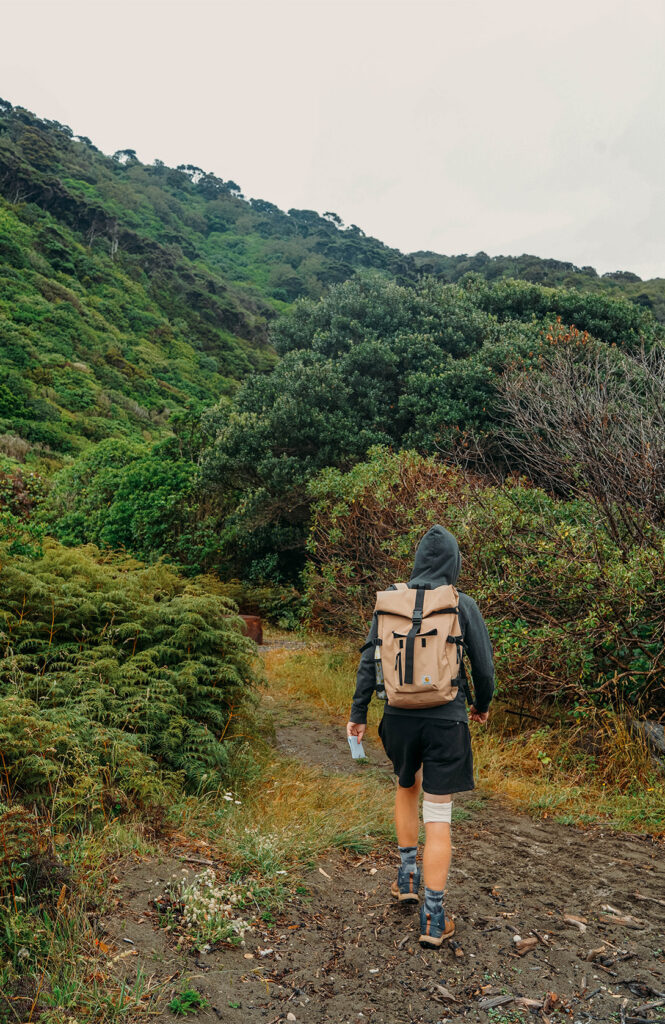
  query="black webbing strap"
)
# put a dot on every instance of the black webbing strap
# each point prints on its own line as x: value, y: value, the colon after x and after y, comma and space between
x: 416, y: 619
x: 459, y: 642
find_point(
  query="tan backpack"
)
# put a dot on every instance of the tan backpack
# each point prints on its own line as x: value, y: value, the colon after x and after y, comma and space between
x: 419, y: 643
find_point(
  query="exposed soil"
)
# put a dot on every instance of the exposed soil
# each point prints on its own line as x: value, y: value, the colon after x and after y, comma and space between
x: 347, y: 953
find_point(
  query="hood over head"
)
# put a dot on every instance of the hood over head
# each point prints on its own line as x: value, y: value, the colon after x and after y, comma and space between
x: 438, y: 559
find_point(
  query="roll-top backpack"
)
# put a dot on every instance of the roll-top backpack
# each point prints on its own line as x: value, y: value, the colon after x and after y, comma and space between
x: 418, y: 645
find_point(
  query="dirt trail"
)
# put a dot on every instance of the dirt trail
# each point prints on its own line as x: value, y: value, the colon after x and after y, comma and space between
x: 348, y: 954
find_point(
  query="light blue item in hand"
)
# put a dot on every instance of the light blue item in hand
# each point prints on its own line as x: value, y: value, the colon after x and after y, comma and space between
x: 356, y: 748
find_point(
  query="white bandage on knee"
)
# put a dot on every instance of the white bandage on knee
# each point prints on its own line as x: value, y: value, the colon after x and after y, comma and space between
x: 437, y: 811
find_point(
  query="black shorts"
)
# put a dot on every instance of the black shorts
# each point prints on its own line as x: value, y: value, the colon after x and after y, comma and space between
x: 443, y: 749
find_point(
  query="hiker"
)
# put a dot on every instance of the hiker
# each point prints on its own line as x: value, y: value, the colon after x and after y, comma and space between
x: 415, y: 649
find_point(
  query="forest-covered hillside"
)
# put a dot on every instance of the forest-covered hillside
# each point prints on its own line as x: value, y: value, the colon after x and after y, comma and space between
x: 187, y: 371
x: 129, y: 291
x: 620, y: 283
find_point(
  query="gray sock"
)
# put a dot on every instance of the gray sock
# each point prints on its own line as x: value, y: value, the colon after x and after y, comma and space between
x: 434, y: 900
x: 408, y: 855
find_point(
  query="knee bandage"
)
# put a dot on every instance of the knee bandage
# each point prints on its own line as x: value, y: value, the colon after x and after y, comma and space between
x: 437, y: 811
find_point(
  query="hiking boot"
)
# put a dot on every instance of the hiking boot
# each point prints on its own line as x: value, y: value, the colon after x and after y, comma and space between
x: 407, y: 885
x: 434, y: 929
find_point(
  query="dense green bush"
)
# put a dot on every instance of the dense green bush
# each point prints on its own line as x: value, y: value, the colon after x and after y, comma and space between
x: 141, y: 498
x: 117, y: 681
x: 374, y: 362
x: 284, y: 606
x: 22, y: 491
x: 572, y: 617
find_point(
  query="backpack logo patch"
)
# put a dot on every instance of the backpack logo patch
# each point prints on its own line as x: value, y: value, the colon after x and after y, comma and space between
x: 426, y: 680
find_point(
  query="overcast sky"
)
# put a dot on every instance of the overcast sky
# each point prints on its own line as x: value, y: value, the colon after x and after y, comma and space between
x: 456, y: 125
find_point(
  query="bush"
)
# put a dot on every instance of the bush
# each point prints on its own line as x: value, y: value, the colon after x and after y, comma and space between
x: 21, y: 492
x: 373, y: 362
x: 571, y: 615
x: 143, y: 498
x: 117, y: 681
x: 284, y: 606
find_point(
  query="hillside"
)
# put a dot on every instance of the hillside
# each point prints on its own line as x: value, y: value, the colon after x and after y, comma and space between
x: 129, y: 291
x: 552, y: 273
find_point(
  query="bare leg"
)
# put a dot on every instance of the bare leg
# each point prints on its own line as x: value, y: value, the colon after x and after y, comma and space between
x: 437, y: 853
x: 407, y: 819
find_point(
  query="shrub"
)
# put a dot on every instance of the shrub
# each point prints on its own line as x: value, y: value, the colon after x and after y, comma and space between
x: 572, y: 616
x: 142, y: 498
x: 590, y: 424
x: 14, y: 447
x: 117, y: 681
x: 284, y: 606
x: 20, y: 493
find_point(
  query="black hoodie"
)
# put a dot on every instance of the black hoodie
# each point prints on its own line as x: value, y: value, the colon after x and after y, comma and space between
x: 438, y: 561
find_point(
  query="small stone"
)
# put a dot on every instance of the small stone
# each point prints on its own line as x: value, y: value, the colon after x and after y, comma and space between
x: 290, y: 1016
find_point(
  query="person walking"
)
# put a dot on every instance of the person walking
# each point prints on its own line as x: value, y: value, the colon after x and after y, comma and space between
x: 415, y: 650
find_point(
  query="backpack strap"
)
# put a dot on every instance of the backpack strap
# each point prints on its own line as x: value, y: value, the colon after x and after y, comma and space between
x: 416, y: 620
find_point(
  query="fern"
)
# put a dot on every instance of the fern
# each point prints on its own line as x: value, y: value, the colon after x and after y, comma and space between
x: 116, y: 677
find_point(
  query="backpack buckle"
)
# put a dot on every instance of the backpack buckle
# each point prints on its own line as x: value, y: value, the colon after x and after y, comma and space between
x: 417, y: 615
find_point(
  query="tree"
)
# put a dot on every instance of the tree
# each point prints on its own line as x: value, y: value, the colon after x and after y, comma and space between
x: 194, y: 173
x: 125, y: 156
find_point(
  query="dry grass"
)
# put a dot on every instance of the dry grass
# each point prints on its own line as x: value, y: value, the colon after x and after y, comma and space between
x: 322, y: 676
x: 291, y: 816
x: 588, y: 769
x: 292, y: 812
x: 595, y: 771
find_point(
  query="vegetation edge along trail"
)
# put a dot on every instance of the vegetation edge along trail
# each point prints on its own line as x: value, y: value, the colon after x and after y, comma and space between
x: 309, y: 853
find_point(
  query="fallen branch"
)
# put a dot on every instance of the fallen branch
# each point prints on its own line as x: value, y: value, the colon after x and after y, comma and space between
x: 626, y: 922
x: 648, y: 1006
x: 652, y: 899
x: 601, y: 967
x: 492, y: 1001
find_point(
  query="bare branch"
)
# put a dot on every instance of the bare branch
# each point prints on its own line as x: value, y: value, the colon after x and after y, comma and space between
x: 591, y: 424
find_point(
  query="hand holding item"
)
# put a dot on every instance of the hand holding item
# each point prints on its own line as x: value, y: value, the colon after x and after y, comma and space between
x: 356, y: 729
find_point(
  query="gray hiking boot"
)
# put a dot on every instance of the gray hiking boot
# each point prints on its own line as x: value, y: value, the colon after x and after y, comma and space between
x: 407, y: 885
x: 434, y: 929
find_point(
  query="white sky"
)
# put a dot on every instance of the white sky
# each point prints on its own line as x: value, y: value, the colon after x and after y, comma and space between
x: 455, y: 125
